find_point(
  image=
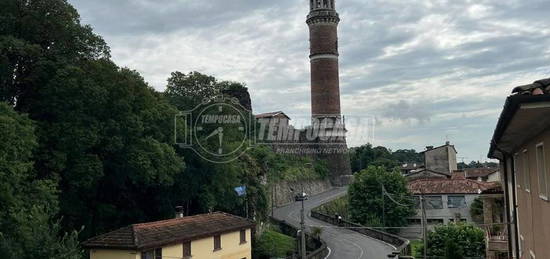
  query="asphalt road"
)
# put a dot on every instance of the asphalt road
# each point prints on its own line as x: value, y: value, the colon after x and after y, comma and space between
x: 342, y: 243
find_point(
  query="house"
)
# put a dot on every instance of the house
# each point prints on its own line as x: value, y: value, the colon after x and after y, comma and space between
x: 407, y: 168
x: 439, y: 162
x: 275, y: 127
x: 520, y: 142
x: 213, y: 235
x: 446, y: 200
x: 482, y: 174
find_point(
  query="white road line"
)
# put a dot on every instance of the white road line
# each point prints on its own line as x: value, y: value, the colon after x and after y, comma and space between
x: 329, y: 251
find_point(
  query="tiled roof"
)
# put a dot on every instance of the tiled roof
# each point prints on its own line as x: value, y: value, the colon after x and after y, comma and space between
x: 159, y: 233
x: 539, y: 87
x: 479, y: 172
x: 449, y: 186
x: 270, y: 114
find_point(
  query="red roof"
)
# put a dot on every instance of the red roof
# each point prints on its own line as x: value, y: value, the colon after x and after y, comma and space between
x: 449, y: 186
x: 479, y: 172
x: 160, y: 233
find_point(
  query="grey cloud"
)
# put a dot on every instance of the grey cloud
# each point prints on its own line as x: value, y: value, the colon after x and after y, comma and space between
x: 273, y: 37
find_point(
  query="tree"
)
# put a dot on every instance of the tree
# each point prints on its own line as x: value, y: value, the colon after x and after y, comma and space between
x: 28, y: 228
x: 105, y: 134
x: 455, y: 241
x: 379, y: 198
x: 367, y: 155
x: 36, y: 38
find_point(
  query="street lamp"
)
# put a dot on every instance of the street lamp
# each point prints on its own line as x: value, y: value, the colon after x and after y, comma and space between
x: 301, y: 197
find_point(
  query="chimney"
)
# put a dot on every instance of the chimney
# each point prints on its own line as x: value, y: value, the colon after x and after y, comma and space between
x: 447, y: 143
x: 179, y: 212
x: 458, y: 175
x: 429, y: 147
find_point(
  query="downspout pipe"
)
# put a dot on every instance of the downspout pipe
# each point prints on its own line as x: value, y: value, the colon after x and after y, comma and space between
x: 513, y: 218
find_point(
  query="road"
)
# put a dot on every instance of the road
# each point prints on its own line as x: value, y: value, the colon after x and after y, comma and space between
x: 342, y: 243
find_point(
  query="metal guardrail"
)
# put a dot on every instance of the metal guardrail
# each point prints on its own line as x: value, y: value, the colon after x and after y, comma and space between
x: 401, y: 244
x: 316, y: 249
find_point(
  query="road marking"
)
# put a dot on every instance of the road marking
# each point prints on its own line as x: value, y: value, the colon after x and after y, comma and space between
x: 329, y: 251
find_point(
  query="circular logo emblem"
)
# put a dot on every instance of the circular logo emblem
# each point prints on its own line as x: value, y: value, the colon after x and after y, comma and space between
x: 219, y: 129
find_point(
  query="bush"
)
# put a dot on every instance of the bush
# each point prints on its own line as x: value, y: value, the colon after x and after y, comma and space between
x: 338, y: 206
x: 460, y: 240
x: 274, y: 244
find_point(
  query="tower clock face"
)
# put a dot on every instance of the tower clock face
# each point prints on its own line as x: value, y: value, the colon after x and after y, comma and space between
x: 221, y: 131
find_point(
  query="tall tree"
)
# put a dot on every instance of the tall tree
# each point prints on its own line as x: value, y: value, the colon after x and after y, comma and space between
x: 105, y: 133
x: 380, y: 198
x: 36, y: 38
x: 28, y: 228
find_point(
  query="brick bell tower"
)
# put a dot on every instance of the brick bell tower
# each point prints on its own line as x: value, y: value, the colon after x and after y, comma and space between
x: 325, y: 87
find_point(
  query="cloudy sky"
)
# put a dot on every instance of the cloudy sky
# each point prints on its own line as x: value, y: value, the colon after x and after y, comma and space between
x: 427, y: 70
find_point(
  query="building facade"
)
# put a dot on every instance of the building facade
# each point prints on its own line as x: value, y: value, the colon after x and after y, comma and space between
x: 446, y: 200
x: 521, y: 142
x: 214, y: 236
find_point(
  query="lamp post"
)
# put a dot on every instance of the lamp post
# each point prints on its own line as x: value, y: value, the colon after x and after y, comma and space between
x: 302, y: 197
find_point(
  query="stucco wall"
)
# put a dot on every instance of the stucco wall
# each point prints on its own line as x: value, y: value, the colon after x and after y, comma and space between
x: 231, y: 248
x: 533, y: 211
x: 113, y: 254
x: 446, y: 214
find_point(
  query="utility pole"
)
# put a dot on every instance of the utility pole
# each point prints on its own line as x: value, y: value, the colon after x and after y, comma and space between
x: 302, y: 197
x: 424, y: 228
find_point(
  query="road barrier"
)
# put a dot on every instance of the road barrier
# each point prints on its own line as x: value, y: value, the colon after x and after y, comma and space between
x: 316, y: 247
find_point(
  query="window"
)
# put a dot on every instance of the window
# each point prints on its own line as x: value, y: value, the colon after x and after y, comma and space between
x: 243, y: 236
x: 435, y: 221
x: 414, y: 221
x: 217, y: 243
x: 187, y: 250
x: 526, y: 173
x: 456, y: 202
x: 541, y: 170
x: 434, y: 202
x: 516, y: 170
x: 416, y: 201
x: 152, y: 254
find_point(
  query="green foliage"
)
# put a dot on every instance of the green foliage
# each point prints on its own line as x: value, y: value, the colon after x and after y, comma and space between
x: 27, y: 225
x: 476, y: 210
x: 287, y: 167
x: 368, y: 205
x: 37, y: 37
x: 366, y: 155
x: 338, y: 206
x: 104, y: 132
x: 273, y: 244
x: 452, y: 241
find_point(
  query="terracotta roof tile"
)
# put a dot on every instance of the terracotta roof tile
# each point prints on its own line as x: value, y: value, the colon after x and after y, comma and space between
x: 447, y: 186
x: 159, y: 233
x: 479, y: 172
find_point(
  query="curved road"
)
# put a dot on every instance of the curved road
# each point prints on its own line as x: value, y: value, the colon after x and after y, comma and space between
x: 342, y: 243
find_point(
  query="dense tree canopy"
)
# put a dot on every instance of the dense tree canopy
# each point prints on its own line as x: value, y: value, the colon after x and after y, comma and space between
x: 366, y: 155
x: 27, y: 225
x: 37, y: 37
x: 379, y: 198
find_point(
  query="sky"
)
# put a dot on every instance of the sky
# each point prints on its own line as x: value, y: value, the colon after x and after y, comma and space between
x: 424, y: 71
